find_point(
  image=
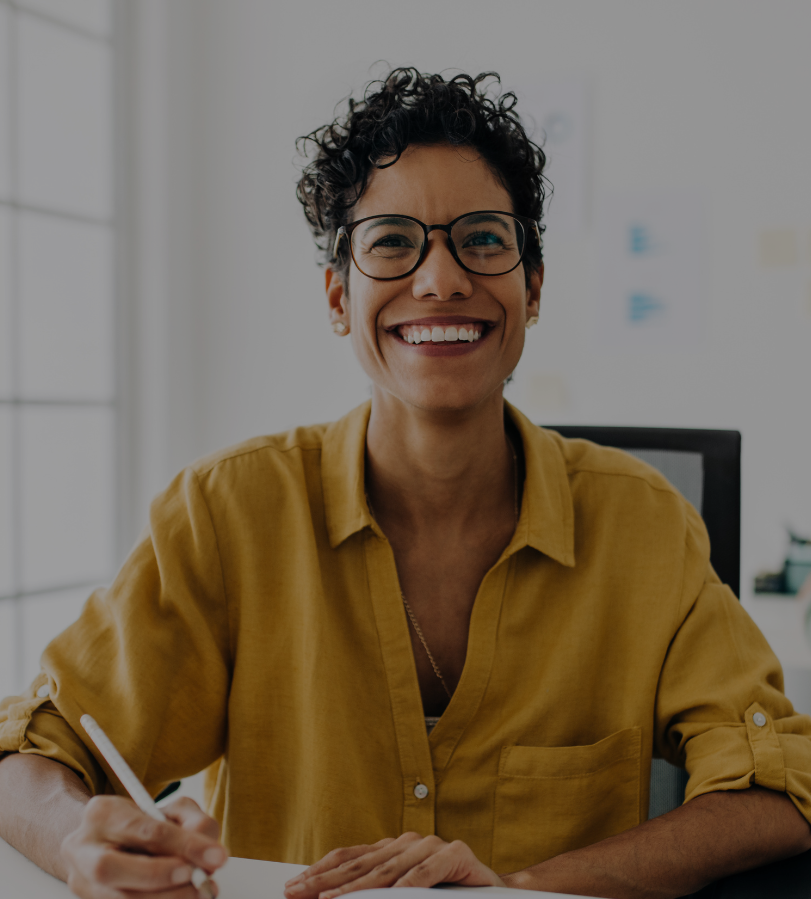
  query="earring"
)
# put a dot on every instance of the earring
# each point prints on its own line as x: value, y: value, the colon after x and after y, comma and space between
x: 339, y: 328
x: 531, y: 322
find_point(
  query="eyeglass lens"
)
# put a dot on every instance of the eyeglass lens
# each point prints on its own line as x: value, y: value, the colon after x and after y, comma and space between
x: 389, y: 246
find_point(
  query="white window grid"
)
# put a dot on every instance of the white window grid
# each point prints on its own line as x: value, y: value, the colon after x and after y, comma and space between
x: 29, y: 614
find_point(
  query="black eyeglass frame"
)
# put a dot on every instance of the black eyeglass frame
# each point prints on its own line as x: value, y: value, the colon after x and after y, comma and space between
x: 529, y: 225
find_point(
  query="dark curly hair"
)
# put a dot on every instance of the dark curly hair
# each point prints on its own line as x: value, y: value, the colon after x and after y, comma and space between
x: 408, y: 107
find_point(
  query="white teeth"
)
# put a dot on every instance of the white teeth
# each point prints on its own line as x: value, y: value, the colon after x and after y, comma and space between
x: 440, y: 334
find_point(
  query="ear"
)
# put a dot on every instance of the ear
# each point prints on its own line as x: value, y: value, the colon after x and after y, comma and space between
x: 336, y: 297
x: 534, y: 291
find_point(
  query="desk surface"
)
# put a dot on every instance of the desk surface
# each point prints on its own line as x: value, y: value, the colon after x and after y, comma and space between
x: 241, y: 878
x: 247, y: 878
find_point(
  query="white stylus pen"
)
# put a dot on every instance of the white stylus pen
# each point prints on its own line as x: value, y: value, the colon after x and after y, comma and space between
x: 137, y: 791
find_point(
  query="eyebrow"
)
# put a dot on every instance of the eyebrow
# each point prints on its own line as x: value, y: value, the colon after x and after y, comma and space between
x: 477, y: 218
x: 385, y: 220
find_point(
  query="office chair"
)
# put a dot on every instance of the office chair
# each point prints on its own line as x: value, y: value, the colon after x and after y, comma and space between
x: 705, y: 467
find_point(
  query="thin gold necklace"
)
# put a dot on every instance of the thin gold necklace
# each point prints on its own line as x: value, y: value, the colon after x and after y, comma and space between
x: 411, y: 616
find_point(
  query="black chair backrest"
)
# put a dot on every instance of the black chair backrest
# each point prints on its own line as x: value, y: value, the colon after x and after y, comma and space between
x: 716, y: 495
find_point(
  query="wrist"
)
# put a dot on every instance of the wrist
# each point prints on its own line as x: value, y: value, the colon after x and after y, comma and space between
x: 519, y: 880
x: 564, y: 873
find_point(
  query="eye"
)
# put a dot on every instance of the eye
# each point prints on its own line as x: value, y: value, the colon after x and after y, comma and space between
x: 394, y: 240
x: 483, y: 239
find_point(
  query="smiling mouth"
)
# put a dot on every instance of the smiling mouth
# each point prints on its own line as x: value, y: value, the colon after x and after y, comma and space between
x: 462, y: 333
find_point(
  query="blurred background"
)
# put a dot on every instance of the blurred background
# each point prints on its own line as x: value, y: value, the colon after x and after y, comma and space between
x: 159, y: 296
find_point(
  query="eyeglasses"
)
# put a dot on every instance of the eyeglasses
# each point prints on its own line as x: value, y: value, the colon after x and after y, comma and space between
x: 387, y: 247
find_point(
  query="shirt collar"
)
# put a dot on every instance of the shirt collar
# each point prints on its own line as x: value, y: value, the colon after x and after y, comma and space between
x: 547, y: 509
x: 343, y: 462
x: 547, y: 512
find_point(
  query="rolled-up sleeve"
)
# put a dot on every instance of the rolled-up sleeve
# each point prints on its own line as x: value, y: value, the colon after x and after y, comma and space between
x: 148, y: 659
x: 721, y: 711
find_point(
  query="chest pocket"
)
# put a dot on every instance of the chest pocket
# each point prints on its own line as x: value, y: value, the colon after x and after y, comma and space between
x: 551, y: 799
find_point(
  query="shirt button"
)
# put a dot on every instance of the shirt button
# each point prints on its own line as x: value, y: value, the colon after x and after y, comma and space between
x: 44, y: 691
x: 759, y: 718
x: 420, y: 791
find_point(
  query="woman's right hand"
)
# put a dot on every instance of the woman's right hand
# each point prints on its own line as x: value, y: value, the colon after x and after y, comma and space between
x: 118, y: 851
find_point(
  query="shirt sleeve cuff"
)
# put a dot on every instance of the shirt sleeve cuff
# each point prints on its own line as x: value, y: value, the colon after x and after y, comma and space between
x: 776, y: 755
x: 31, y: 723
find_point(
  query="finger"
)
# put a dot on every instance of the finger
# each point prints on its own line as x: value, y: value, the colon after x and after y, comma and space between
x: 124, y: 825
x: 331, y: 861
x: 454, y: 863
x: 378, y: 869
x: 119, y: 870
x: 188, y: 814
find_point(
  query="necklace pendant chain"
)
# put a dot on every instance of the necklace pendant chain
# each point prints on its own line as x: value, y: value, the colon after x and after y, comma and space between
x: 411, y: 616
x: 428, y: 652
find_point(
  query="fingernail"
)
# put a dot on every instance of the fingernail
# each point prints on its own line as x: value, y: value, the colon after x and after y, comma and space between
x: 296, y: 888
x: 181, y: 875
x: 213, y: 856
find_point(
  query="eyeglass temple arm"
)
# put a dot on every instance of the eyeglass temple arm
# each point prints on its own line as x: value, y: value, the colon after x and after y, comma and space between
x: 341, y: 233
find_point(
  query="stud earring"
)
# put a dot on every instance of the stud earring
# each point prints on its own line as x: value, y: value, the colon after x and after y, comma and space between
x: 531, y: 321
x: 339, y: 328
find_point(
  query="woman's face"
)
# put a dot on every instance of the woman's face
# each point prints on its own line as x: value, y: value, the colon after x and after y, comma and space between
x: 436, y: 184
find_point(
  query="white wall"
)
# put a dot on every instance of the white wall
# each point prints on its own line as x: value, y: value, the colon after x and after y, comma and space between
x: 58, y: 384
x: 707, y: 96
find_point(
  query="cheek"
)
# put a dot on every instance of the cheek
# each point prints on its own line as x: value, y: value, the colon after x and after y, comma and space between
x: 368, y: 300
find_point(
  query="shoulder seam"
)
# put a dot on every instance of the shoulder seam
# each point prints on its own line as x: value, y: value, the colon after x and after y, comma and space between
x: 625, y: 474
x: 248, y: 452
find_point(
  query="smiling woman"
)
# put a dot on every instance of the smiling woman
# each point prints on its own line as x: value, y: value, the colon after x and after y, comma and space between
x: 429, y: 642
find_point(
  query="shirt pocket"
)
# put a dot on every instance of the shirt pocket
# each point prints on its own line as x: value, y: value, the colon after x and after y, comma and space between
x: 552, y: 799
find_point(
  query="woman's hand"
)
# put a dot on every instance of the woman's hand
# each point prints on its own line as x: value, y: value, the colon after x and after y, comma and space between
x: 408, y: 861
x: 117, y: 850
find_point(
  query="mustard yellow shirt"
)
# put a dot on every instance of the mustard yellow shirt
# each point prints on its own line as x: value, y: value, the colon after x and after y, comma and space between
x: 257, y: 631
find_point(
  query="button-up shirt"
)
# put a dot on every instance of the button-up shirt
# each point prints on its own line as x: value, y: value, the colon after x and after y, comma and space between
x: 257, y: 631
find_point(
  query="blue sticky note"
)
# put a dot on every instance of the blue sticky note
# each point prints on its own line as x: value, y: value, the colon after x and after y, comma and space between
x: 642, y: 307
x: 639, y: 239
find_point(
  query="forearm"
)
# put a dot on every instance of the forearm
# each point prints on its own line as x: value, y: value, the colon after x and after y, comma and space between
x: 41, y: 802
x: 713, y: 836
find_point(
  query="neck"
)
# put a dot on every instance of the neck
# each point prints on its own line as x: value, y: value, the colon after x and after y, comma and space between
x: 437, y: 471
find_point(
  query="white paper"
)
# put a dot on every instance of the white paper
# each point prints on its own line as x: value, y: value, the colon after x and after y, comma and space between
x: 555, y: 115
x: 650, y: 271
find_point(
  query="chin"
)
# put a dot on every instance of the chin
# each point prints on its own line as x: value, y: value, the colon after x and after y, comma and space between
x: 456, y: 399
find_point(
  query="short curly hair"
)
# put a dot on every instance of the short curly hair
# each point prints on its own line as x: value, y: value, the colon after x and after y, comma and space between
x: 408, y: 107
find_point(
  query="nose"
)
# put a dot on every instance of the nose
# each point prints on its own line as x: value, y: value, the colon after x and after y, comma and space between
x: 440, y: 277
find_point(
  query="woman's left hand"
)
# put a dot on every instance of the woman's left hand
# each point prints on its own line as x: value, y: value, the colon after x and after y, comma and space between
x: 408, y: 861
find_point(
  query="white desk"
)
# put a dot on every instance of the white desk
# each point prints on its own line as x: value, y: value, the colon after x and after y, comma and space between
x: 241, y: 878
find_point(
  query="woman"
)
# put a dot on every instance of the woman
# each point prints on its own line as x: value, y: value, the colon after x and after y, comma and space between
x: 430, y: 633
